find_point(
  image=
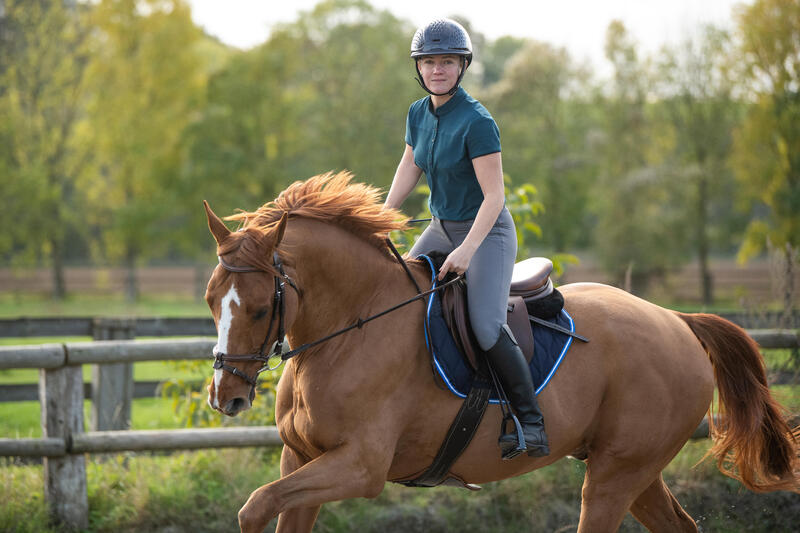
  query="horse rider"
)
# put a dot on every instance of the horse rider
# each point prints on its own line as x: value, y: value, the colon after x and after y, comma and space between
x: 453, y: 139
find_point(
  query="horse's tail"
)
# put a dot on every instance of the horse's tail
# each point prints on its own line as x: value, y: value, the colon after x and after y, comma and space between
x: 752, y: 440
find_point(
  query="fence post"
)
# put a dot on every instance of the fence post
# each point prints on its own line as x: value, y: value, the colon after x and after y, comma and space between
x: 61, y: 400
x: 112, y: 383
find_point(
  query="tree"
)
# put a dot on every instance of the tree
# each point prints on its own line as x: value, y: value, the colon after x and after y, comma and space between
x: 43, y: 61
x: 542, y: 112
x: 495, y: 56
x: 639, y: 234
x: 147, y: 81
x: 767, y: 145
x: 696, y: 97
x: 329, y: 91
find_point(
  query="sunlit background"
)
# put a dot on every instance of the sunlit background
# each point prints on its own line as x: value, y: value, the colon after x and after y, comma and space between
x: 653, y: 145
x: 648, y: 144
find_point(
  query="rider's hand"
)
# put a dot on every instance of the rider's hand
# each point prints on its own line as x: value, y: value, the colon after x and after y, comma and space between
x: 457, y: 261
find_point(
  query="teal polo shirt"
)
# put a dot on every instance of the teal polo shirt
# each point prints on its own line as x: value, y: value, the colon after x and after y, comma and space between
x: 445, y: 141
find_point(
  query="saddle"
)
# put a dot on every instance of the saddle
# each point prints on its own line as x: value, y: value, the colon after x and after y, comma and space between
x: 532, y: 300
x: 531, y: 293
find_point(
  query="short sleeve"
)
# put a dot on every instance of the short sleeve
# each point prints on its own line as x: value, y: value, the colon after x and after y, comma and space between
x: 409, y: 138
x: 483, y: 137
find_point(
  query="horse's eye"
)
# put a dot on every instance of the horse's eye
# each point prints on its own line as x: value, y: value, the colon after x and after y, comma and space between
x: 261, y: 314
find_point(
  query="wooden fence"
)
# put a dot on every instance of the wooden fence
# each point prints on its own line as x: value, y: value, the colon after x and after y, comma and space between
x: 61, y: 392
x: 64, y: 442
x: 756, y: 280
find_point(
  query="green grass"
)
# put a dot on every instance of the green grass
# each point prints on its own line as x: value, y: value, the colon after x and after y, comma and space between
x: 144, y: 371
x: 31, y: 305
x: 21, y: 419
x: 194, y: 491
x: 202, y: 491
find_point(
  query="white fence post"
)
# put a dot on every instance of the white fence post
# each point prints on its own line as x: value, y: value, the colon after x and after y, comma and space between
x: 112, y: 383
x: 61, y: 400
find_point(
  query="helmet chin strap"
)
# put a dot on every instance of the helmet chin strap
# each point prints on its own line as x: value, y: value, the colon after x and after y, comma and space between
x: 452, y: 91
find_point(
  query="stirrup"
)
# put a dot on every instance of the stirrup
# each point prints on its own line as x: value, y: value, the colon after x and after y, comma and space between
x: 510, y: 449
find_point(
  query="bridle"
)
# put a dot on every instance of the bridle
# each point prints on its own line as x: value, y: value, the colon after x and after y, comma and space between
x: 278, y: 315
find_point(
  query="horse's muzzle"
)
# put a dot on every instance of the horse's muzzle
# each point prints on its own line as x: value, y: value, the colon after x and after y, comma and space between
x: 235, y: 406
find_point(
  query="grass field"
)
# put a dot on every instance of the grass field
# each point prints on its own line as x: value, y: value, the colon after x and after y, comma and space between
x: 202, y: 492
x: 16, y: 305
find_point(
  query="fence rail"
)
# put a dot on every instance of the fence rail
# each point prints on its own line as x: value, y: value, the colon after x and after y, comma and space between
x: 129, y: 351
x: 86, y: 326
x: 142, y: 441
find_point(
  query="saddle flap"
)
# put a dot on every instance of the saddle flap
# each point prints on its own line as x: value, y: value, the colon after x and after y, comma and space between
x: 520, y: 325
x: 456, y: 316
x: 454, y: 309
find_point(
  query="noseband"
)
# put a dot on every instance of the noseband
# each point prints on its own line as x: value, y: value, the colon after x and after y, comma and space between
x: 278, y: 315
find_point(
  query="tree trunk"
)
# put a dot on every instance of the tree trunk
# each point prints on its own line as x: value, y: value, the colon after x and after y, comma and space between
x: 706, y: 280
x: 788, y: 286
x: 131, y: 285
x: 59, y: 285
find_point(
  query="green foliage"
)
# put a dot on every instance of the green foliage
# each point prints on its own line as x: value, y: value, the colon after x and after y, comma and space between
x: 494, y: 57
x: 699, y: 112
x: 42, y: 92
x: 117, y: 118
x: 189, y: 403
x: 545, y: 128
x: 524, y: 206
x: 147, y: 80
x: 767, y: 144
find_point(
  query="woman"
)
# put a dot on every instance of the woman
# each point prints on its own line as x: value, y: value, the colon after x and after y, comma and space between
x: 453, y: 139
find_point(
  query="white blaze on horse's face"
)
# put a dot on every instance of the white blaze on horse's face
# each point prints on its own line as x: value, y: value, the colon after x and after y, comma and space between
x: 223, y: 330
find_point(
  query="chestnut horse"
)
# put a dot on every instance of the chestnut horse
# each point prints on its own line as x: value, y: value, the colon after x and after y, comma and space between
x: 364, y: 408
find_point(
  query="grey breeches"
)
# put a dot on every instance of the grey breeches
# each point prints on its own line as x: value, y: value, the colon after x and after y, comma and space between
x: 489, y: 274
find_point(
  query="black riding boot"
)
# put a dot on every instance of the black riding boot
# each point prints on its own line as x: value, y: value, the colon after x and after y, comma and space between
x: 509, y: 363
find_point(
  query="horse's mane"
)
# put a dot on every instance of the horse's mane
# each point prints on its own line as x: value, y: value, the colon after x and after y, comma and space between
x: 331, y: 198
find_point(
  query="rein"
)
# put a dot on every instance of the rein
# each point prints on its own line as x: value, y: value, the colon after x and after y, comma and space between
x: 279, y: 313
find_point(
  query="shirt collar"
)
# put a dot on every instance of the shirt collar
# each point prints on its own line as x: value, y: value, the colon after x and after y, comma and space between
x: 451, y: 104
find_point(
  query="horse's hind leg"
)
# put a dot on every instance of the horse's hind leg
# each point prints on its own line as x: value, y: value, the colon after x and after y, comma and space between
x: 658, y: 510
x: 612, y: 482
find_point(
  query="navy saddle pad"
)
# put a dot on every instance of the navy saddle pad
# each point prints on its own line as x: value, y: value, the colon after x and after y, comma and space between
x: 550, y: 348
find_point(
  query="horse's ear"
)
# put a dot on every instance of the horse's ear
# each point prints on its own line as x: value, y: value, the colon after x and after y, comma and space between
x: 280, y: 228
x: 218, y: 228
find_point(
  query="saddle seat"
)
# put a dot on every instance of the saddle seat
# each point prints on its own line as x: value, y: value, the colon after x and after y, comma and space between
x: 531, y: 278
x: 530, y: 283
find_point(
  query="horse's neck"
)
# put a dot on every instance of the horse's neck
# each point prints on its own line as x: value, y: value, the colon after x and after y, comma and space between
x: 340, y: 274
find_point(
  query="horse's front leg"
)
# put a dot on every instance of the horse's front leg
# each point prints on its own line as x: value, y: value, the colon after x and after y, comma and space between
x: 299, y: 520
x: 348, y: 471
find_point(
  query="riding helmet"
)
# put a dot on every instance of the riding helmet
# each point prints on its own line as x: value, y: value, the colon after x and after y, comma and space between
x: 438, y: 37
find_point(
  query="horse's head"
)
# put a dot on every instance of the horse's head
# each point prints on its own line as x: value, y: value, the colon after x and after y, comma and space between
x: 247, y: 297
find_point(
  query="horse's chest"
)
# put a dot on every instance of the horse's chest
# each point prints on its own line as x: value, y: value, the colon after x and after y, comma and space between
x: 304, y: 426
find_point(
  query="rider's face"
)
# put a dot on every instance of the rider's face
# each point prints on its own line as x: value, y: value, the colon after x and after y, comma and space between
x: 440, y: 72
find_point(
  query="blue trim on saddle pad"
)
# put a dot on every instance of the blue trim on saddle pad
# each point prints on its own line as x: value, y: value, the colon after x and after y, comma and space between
x: 550, y: 347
